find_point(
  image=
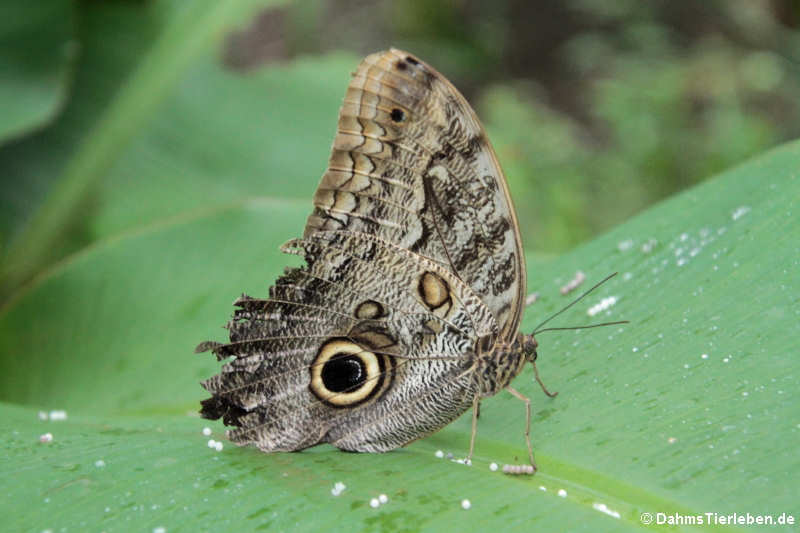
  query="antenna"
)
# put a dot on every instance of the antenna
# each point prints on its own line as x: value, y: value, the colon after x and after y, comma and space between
x: 585, y: 327
x: 573, y: 302
x: 551, y: 317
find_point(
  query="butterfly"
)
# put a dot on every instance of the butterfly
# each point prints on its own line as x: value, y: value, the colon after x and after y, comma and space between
x: 406, y: 312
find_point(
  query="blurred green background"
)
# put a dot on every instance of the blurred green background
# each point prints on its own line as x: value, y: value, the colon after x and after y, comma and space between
x: 154, y: 154
x: 597, y: 109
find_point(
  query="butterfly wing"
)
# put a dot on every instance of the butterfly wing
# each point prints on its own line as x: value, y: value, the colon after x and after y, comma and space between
x: 349, y: 301
x: 412, y: 255
x: 412, y: 164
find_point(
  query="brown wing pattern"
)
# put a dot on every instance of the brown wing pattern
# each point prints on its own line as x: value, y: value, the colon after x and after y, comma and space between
x: 412, y: 164
x: 352, y: 292
x: 412, y: 255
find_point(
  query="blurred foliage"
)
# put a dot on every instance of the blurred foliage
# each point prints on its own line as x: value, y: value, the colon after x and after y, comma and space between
x: 597, y: 109
x: 34, y: 64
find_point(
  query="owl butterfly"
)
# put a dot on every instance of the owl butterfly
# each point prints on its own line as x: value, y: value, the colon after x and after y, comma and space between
x: 407, y: 310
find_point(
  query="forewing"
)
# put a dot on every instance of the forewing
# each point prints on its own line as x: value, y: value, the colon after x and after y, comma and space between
x: 412, y: 164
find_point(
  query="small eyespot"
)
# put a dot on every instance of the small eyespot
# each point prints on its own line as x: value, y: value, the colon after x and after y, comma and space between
x: 401, y: 65
x: 398, y: 115
x: 435, y: 294
x: 369, y: 309
x: 412, y: 60
x: 433, y: 290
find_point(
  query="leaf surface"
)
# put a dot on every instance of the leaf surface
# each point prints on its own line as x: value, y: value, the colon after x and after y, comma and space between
x: 691, y: 408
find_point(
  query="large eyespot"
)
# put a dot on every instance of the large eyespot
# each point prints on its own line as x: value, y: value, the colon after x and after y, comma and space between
x: 435, y: 293
x: 346, y: 374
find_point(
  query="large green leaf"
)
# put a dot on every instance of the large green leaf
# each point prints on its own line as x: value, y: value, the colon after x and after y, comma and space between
x: 222, y: 137
x: 692, y: 408
x: 154, y: 51
x: 112, y: 39
x: 37, y: 46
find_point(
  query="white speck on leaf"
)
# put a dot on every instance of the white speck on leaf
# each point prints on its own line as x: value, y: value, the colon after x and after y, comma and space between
x: 739, y: 212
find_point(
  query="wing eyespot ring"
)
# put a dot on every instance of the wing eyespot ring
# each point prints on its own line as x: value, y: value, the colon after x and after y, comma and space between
x: 346, y: 374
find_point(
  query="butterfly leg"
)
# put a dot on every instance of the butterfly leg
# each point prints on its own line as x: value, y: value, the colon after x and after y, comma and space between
x: 476, y: 409
x: 527, y: 401
x: 541, y: 383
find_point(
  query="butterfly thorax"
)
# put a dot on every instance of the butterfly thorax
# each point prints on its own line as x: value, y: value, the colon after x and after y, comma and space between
x: 499, y: 362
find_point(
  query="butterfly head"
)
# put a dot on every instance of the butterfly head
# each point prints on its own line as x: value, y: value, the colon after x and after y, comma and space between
x: 529, y: 346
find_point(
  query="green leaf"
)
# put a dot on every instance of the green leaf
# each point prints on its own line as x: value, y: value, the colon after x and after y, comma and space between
x: 114, y: 37
x: 691, y: 408
x: 222, y: 137
x: 37, y: 46
x: 186, y: 34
